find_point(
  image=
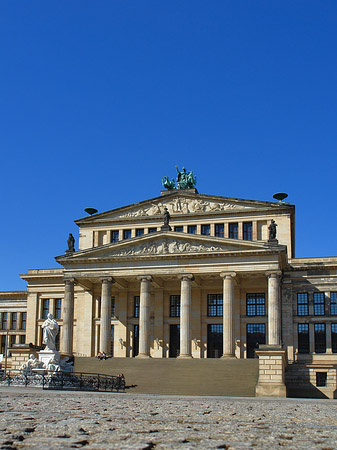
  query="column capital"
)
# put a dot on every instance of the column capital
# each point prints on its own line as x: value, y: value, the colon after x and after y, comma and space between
x: 70, y: 281
x: 186, y: 277
x: 107, y: 280
x: 273, y: 273
x: 144, y: 278
x: 228, y: 274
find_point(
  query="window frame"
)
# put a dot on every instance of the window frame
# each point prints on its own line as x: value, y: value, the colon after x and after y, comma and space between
x: 233, y: 230
x: 175, y: 305
x: 217, y: 308
x: 247, y: 234
x: 256, y: 308
x: 220, y: 233
x: 302, y: 305
x: 318, y: 304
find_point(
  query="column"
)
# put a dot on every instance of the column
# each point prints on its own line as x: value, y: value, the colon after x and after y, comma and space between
x: 274, y: 307
x: 68, y: 315
x: 144, y: 316
x: 228, y: 318
x: 105, y: 334
x: 185, y: 316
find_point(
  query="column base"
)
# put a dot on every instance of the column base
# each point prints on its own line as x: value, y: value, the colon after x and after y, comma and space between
x: 228, y: 356
x: 143, y: 356
x: 270, y: 390
x: 185, y: 356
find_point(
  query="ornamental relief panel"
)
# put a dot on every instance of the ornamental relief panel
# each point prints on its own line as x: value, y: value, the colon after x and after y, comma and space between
x: 183, y: 206
x: 168, y: 246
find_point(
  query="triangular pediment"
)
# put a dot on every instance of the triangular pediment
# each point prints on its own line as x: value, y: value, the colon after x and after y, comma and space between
x: 165, y: 244
x: 180, y: 204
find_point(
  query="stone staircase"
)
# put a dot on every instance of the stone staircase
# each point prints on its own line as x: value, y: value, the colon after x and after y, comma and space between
x: 227, y: 377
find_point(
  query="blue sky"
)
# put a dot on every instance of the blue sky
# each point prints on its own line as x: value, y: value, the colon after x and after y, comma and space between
x: 100, y: 100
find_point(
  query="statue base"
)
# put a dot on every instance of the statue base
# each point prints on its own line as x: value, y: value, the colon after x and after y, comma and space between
x: 166, y: 228
x: 272, y: 242
x: 47, y: 355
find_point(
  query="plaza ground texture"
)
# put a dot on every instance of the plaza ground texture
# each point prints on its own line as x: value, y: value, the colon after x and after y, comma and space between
x: 32, y: 418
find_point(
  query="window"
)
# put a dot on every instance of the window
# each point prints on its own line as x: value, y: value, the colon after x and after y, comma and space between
x: 136, y: 300
x: 4, y: 321
x: 23, y: 320
x: 247, y: 231
x: 321, y: 378
x: 192, y: 229
x: 214, y: 305
x: 303, y: 338
x: 219, y: 229
x: 302, y: 304
x: 179, y: 229
x: 14, y: 320
x: 152, y: 230
x: 233, y: 230
x: 139, y: 231
x: 45, y: 308
x: 175, y: 306
x: 206, y: 230
x: 256, y: 304
x: 58, y: 308
x: 12, y: 340
x: 126, y: 234
x: 114, y: 236
x: 319, y: 303
x: 3, y: 344
x: 320, y: 338
x: 113, y: 306
x: 333, y: 303
x: 334, y: 337
x: 22, y: 339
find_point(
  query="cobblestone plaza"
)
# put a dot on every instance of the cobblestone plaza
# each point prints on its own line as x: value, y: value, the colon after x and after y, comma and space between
x: 32, y: 418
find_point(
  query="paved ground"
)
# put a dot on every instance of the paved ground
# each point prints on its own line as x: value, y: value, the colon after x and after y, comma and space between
x: 32, y: 418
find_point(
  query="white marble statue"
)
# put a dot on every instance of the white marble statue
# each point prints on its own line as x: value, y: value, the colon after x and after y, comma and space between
x: 50, y: 330
x: 32, y: 363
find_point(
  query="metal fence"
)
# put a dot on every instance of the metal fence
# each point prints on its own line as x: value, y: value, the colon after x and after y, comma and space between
x: 64, y: 380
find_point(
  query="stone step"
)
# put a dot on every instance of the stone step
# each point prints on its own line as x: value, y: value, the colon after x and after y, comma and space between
x: 227, y: 377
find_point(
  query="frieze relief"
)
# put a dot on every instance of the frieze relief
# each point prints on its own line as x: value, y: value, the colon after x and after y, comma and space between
x: 166, y: 247
x: 183, y: 206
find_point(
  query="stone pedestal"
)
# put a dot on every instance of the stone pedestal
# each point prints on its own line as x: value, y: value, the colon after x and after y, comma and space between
x: 272, y: 364
x: 47, y: 355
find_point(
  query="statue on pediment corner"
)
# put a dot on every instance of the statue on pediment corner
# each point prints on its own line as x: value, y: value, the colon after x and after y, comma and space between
x: 71, y: 244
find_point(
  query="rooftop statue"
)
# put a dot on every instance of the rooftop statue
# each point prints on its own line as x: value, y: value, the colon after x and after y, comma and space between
x: 185, y: 180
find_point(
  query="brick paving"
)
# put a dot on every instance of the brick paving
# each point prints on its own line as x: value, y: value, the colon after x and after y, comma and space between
x: 32, y: 418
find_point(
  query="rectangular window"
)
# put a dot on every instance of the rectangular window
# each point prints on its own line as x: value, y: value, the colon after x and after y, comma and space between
x: 12, y: 340
x: 4, y: 321
x: 179, y: 229
x: 247, y: 231
x: 114, y: 236
x: 214, y: 305
x: 175, y: 306
x: 23, y: 321
x: 334, y: 337
x: 126, y: 234
x: 321, y: 378
x: 136, y: 300
x: 152, y: 230
x: 233, y: 229
x: 303, y: 338
x: 113, y: 306
x: 333, y: 303
x: 302, y: 304
x: 3, y: 344
x: 206, y: 230
x: 139, y: 231
x: 14, y: 320
x: 319, y: 303
x: 58, y: 308
x: 45, y: 308
x: 192, y: 229
x: 256, y: 304
x: 320, y: 338
x: 22, y: 339
x: 219, y: 229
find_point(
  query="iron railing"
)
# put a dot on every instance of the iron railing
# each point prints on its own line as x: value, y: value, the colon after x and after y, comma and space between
x: 64, y: 380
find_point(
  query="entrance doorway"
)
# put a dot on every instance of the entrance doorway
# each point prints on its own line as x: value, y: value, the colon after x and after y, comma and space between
x: 135, y: 341
x: 214, y: 340
x: 174, y: 341
x: 256, y: 334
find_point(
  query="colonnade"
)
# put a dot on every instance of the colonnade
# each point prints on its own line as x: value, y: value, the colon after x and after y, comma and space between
x: 274, y: 314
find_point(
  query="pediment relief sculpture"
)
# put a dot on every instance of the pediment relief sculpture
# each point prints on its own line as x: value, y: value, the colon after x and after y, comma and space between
x: 181, y: 205
x: 168, y: 246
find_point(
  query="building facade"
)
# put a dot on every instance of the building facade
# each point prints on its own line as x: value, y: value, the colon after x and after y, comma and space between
x: 214, y: 282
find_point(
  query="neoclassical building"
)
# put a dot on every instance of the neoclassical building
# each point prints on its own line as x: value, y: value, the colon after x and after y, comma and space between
x: 189, y: 275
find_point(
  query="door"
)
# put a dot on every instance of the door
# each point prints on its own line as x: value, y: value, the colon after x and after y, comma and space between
x: 256, y: 334
x: 174, y: 341
x: 135, y: 346
x: 112, y: 340
x: 214, y: 340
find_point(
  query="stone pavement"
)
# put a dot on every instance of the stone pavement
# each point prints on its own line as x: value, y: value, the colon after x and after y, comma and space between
x: 32, y: 418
